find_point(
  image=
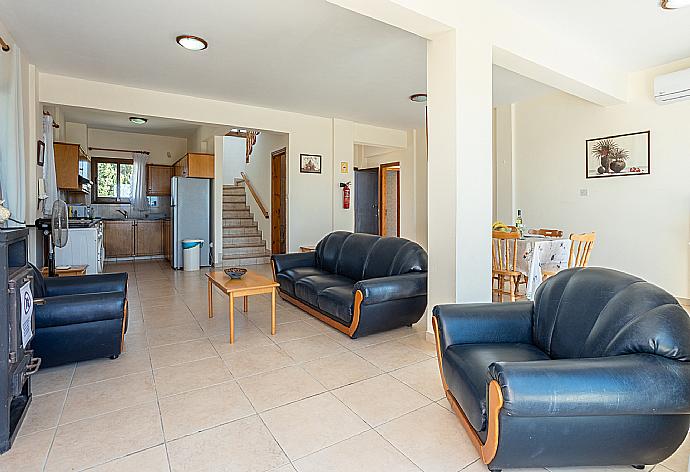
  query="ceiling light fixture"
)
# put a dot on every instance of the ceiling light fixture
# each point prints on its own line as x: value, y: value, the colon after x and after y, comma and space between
x: 137, y: 120
x: 418, y: 98
x: 674, y: 4
x: 193, y: 43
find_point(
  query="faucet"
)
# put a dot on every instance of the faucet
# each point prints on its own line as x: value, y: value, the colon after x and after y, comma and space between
x: 122, y: 212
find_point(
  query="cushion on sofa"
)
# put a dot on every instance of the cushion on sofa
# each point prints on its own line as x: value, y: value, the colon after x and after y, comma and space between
x: 288, y: 277
x: 308, y: 288
x: 354, y: 255
x: 337, y: 302
x: 466, y: 366
x: 328, y: 250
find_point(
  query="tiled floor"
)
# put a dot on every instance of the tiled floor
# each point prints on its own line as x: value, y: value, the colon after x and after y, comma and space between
x: 181, y: 398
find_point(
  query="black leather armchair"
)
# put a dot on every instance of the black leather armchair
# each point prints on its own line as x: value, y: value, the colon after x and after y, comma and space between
x: 358, y: 283
x: 79, y: 318
x: 595, y: 372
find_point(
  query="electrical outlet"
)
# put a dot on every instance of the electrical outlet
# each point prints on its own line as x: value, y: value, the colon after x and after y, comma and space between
x: 584, y: 192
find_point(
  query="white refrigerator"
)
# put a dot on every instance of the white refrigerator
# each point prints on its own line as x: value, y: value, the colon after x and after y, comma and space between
x: 191, y: 216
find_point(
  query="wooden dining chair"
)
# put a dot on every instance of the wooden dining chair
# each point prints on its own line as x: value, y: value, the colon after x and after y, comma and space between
x: 549, y: 233
x: 503, y: 266
x: 580, y: 250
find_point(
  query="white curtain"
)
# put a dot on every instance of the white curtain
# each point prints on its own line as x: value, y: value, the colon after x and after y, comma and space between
x: 49, y: 178
x: 139, y: 200
x: 12, y: 165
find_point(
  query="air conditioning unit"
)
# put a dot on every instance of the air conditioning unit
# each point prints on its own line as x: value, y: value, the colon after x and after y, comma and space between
x: 672, y: 88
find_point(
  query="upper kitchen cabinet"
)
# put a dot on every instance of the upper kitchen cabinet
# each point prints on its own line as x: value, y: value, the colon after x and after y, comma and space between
x: 72, y: 167
x: 158, y: 180
x: 195, y: 164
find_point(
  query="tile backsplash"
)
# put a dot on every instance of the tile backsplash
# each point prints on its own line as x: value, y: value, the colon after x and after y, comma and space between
x: 159, y: 207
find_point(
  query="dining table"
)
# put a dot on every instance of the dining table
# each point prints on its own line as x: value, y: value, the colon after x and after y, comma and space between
x: 536, y: 254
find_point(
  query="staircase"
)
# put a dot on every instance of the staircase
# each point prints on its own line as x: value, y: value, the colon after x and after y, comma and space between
x: 243, y: 243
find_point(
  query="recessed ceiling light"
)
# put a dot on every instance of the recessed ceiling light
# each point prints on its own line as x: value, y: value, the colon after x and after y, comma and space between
x: 243, y: 131
x: 673, y: 4
x: 418, y: 98
x: 193, y: 43
x: 138, y: 120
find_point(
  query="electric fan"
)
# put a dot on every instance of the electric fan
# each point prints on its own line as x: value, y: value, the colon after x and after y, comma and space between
x: 59, y: 224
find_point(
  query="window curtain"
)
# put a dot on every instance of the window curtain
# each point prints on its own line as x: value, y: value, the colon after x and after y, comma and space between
x: 139, y: 200
x: 12, y: 169
x: 49, y: 177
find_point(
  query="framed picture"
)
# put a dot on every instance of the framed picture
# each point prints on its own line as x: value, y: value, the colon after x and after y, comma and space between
x: 310, y: 163
x: 40, y: 156
x: 623, y: 154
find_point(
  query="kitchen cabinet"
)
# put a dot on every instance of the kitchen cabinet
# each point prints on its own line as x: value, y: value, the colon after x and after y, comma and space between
x: 72, y: 167
x: 118, y: 238
x: 158, y: 180
x: 194, y: 164
x: 148, y: 238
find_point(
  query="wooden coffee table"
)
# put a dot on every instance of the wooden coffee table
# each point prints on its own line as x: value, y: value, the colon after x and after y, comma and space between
x: 251, y: 284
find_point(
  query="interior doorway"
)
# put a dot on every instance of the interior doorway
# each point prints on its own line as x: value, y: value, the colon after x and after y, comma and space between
x: 390, y: 199
x: 367, y: 201
x: 279, y: 201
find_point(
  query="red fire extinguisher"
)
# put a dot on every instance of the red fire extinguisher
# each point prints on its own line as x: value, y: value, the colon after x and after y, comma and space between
x: 346, y: 194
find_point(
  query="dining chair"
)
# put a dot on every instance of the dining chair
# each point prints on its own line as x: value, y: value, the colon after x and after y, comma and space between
x: 549, y: 233
x: 580, y: 250
x: 503, y: 264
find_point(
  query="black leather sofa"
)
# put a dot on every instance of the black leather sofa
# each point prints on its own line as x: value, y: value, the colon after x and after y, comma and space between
x: 357, y: 283
x: 595, y: 372
x: 79, y: 318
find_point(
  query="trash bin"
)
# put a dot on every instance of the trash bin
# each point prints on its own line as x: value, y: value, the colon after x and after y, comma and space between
x: 190, y: 253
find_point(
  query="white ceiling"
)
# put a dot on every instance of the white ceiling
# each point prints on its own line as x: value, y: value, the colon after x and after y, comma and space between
x: 306, y: 56
x: 509, y: 87
x: 632, y: 34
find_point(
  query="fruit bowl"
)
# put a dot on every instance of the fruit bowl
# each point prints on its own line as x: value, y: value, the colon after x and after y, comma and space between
x: 235, y: 272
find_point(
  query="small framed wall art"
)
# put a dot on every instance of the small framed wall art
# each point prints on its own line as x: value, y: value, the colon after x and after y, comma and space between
x: 310, y: 163
x: 623, y: 154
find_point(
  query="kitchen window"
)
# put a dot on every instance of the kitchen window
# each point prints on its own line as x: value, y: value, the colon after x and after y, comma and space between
x: 112, y: 180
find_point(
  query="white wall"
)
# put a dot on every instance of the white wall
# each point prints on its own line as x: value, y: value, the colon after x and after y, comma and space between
x: 234, y: 155
x: 642, y: 222
x: 158, y: 146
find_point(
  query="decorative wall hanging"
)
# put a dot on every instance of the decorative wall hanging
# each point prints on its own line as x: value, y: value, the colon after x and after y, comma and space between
x: 310, y: 163
x: 623, y: 154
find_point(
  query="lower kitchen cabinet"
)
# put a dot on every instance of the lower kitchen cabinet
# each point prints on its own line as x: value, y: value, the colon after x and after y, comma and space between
x: 148, y: 237
x: 118, y: 238
x: 128, y: 238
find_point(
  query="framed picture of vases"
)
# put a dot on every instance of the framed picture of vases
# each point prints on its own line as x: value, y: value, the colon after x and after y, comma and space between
x: 622, y: 154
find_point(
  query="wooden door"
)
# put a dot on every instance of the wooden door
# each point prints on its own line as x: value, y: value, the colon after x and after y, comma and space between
x: 118, y: 238
x: 148, y: 238
x: 389, y: 205
x: 278, y: 202
x: 366, y: 201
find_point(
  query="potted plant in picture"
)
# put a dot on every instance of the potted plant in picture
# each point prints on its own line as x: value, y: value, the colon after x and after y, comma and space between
x: 603, y: 150
x: 618, y: 158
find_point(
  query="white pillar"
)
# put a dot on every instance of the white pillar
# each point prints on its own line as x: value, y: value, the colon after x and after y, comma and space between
x: 460, y: 159
x: 505, y: 211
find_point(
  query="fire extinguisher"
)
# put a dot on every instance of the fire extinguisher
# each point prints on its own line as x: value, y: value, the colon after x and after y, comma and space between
x: 346, y: 195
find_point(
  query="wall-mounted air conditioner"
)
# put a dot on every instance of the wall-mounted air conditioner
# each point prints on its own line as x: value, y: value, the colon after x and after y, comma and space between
x: 672, y: 88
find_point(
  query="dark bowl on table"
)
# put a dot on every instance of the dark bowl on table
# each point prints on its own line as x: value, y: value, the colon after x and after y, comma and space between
x: 235, y: 272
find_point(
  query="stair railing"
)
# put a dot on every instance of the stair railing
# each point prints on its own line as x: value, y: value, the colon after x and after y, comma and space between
x: 257, y: 199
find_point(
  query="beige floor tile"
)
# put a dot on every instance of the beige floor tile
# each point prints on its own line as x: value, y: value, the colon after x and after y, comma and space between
x: 285, y: 468
x: 419, y: 341
x: 149, y: 460
x: 291, y: 331
x: 28, y: 453
x: 680, y: 460
x: 174, y: 334
x: 225, y: 448
x: 380, y: 399
x: 248, y: 338
x: 424, y: 377
x: 431, y: 437
x: 157, y: 296
x: 101, y: 439
x: 102, y: 369
x: 165, y: 319
x: 204, y: 408
x: 372, y: 339
x: 108, y: 395
x: 313, y: 347
x: 341, y: 369
x: 52, y: 379
x: 135, y: 342
x: 184, y: 377
x: 306, y: 426
x: 44, y: 412
x: 262, y: 316
x: 391, y: 355
x: 181, y: 353
x: 366, y: 451
x: 256, y: 361
x: 279, y: 387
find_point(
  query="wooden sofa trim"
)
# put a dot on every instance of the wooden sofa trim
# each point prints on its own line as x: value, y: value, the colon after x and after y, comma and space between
x: 488, y: 449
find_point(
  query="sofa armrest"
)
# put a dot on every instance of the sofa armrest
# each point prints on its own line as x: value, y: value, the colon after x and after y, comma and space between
x: 73, y: 309
x: 633, y: 384
x: 395, y: 287
x: 96, y: 283
x: 478, y: 323
x: 284, y: 262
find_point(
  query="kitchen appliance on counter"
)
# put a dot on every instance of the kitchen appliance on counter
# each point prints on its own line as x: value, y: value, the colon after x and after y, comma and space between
x: 84, y: 246
x: 79, y: 211
x: 191, y: 216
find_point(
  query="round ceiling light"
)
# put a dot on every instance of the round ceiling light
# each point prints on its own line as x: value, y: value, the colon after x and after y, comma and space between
x: 137, y: 120
x: 193, y: 43
x: 418, y: 98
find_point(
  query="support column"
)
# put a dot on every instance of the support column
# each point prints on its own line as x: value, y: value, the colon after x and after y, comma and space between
x: 460, y: 159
